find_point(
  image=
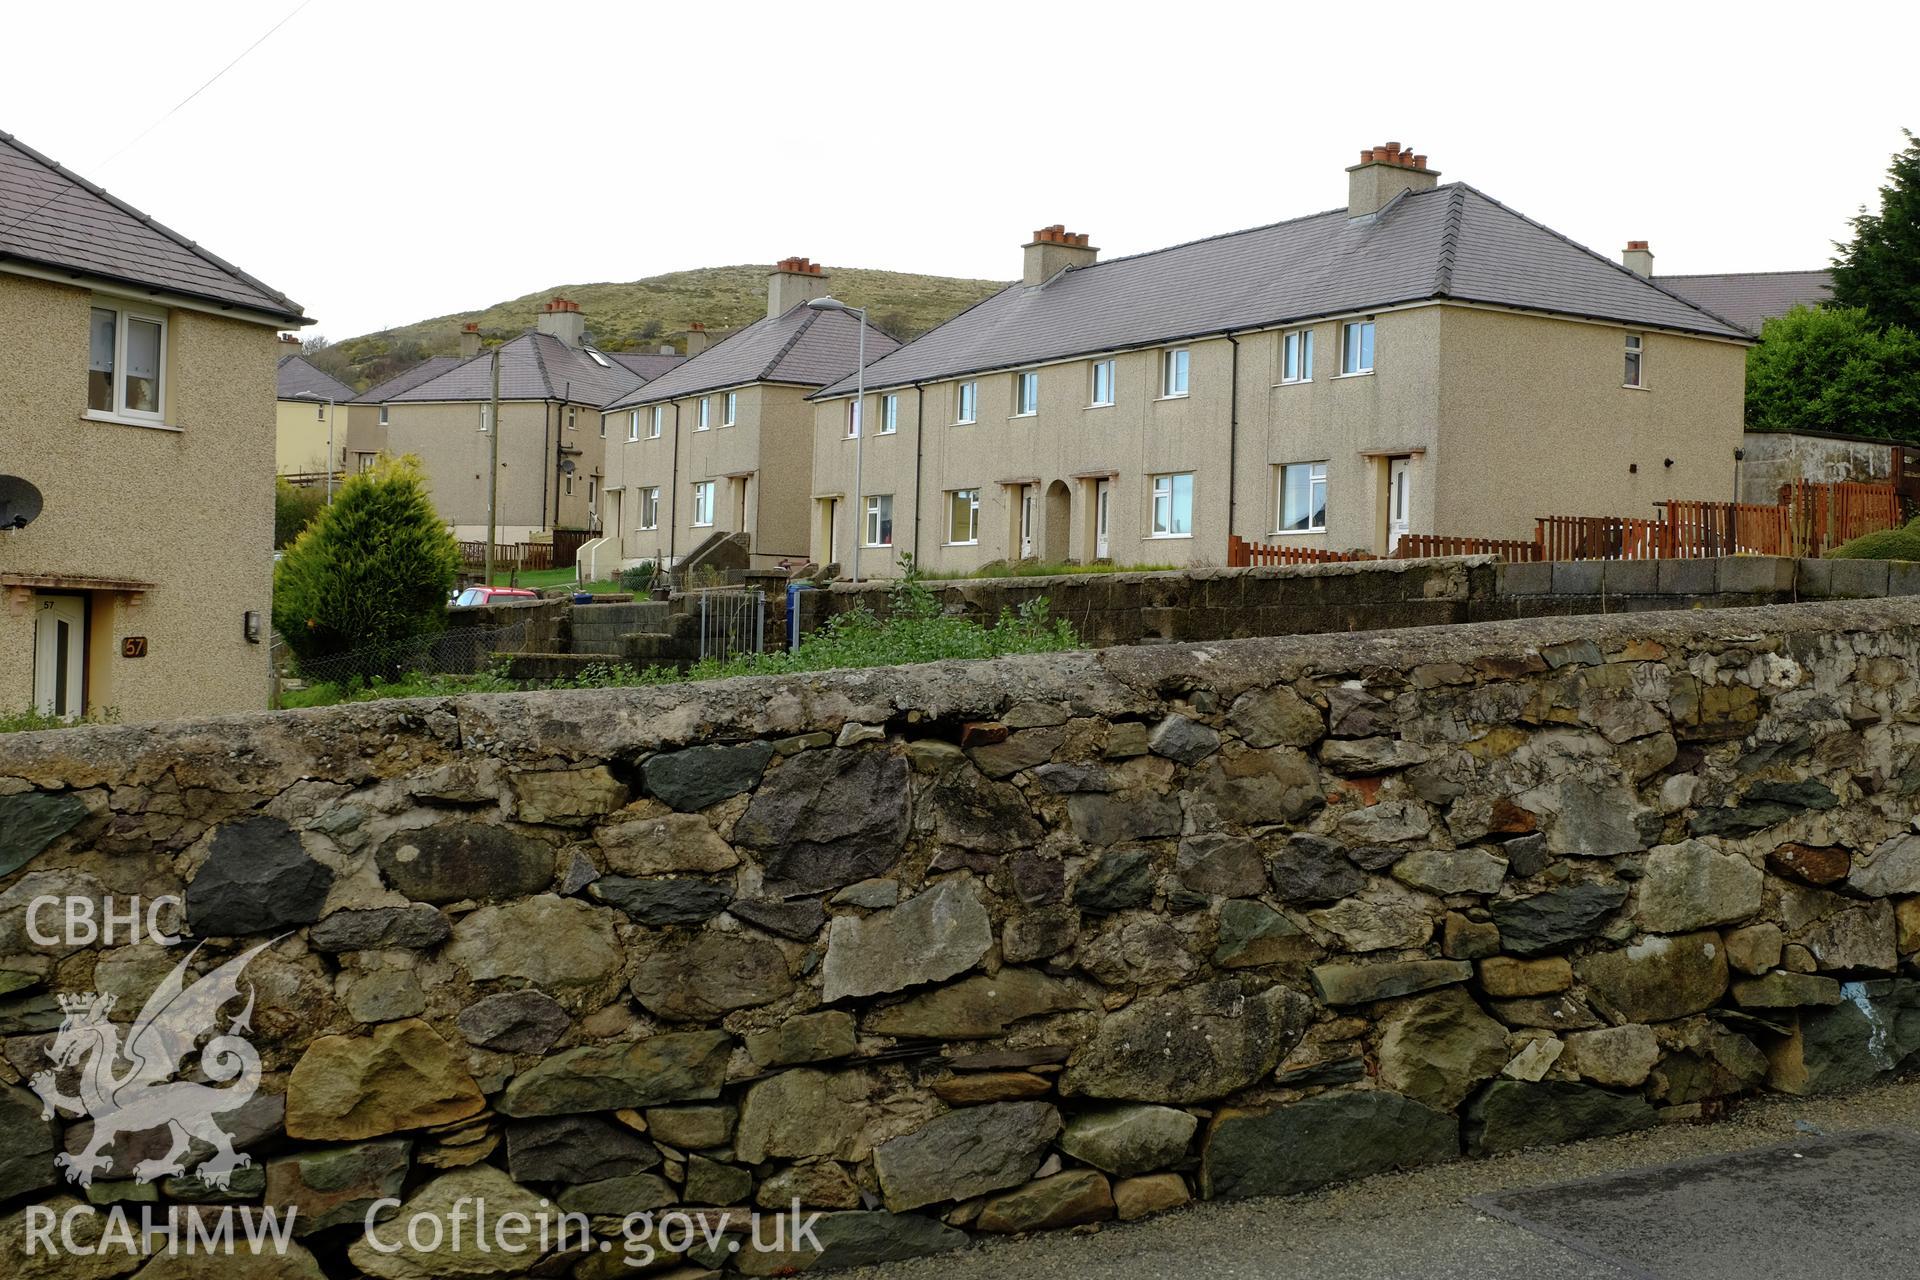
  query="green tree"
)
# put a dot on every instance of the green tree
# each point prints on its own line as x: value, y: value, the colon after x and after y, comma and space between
x: 373, y: 572
x: 1834, y: 369
x: 1880, y: 269
x: 294, y: 507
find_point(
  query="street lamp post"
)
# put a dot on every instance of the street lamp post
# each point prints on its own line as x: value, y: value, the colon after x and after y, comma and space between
x: 831, y: 303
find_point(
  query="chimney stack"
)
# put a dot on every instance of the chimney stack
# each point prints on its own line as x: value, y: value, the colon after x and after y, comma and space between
x: 696, y: 338
x: 1637, y: 258
x: 469, y: 340
x: 289, y: 345
x: 1052, y: 250
x: 561, y: 319
x: 1383, y: 173
x: 794, y: 281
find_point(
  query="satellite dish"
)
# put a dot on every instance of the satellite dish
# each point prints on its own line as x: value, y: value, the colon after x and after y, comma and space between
x: 567, y: 467
x: 19, y: 503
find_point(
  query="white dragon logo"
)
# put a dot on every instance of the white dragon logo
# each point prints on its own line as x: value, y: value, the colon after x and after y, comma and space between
x: 127, y: 1088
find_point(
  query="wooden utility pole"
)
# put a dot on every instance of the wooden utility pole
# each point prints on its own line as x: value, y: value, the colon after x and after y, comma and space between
x: 493, y: 467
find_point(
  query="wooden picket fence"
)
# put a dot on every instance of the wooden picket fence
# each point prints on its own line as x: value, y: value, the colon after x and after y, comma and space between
x: 506, y: 556
x: 1822, y: 516
x: 1242, y: 554
x: 1419, y: 545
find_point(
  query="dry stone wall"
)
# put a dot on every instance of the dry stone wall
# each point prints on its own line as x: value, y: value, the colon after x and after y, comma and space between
x: 975, y: 948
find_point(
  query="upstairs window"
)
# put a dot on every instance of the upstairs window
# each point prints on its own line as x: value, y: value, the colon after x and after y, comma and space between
x: 633, y: 425
x: 486, y: 418
x: 126, y: 359
x: 1356, y: 347
x: 1102, y: 382
x: 383, y: 415
x: 700, y: 421
x: 572, y: 412
x: 729, y: 408
x: 1173, y: 372
x: 1173, y: 505
x: 853, y: 419
x: 659, y: 417
x: 889, y: 414
x: 1296, y: 356
x: 1636, y: 361
x: 966, y: 402
x: 1026, y: 394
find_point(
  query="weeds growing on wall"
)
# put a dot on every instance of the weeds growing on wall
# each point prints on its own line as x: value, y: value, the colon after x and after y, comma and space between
x: 27, y: 720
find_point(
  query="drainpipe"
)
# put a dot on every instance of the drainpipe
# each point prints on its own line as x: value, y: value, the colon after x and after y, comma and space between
x: 546, y: 443
x: 919, y: 451
x: 560, y: 450
x: 1233, y: 431
x: 673, y: 488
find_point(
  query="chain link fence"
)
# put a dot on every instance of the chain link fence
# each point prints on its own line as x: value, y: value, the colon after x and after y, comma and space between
x: 455, y: 651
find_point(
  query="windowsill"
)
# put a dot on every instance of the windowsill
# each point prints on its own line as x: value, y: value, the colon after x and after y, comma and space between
x: 1361, y: 373
x: 876, y: 546
x: 1180, y: 395
x: 1300, y: 382
x: 1299, y: 533
x: 1633, y: 386
x: 698, y: 525
x: 967, y: 422
x: 974, y: 543
x: 1015, y: 417
x: 1169, y: 537
x: 892, y: 431
x: 1104, y: 404
x: 121, y: 420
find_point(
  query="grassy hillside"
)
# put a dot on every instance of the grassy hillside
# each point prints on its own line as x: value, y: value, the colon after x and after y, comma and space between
x: 642, y: 314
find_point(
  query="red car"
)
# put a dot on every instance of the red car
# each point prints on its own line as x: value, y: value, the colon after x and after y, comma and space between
x: 493, y: 595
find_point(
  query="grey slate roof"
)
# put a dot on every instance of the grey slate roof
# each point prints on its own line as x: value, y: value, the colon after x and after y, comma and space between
x: 296, y: 378
x: 1451, y: 242
x: 51, y: 217
x: 411, y: 376
x: 534, y: 366
x: 648, y: 365
x: 1751, y: 298
x: 801, y: 346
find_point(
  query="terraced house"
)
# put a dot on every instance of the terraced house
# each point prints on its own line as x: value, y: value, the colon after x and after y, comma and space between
x: 724, y: 443
x: 553, y: 384
x: 136, y: 457
x: 1424, y: 360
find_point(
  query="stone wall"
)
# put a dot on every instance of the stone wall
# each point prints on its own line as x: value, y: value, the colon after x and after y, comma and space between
x: 1232, y: 604
x: 973, y: 948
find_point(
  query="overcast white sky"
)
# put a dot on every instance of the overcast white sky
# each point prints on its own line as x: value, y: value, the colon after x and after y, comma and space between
x: 382, y: 161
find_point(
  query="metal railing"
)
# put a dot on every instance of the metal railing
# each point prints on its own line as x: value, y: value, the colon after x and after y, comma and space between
x: 732, y: 623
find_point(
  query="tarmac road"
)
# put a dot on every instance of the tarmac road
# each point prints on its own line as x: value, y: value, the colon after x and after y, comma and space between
x: 1812, y: 1189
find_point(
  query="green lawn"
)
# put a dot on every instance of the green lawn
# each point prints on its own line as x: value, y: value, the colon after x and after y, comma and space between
x: 541, y: 579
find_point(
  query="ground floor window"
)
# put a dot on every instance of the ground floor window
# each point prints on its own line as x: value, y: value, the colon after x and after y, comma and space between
x: 703, y: 503
x: 1173, y: 505
x: 650, y: 508
x: 963, y: 516
x: 879, y: 531
x: 1303, y: 498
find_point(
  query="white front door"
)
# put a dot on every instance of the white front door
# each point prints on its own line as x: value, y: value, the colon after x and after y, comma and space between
x: 1026, y: 521
x: 1101, y: 493
x: 59, y: 655
x: 1398, y: 500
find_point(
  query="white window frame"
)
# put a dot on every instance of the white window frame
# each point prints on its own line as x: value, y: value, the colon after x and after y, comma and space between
x: 966, y: 403
x: 383, y: 415
x: 878, y: 504
x: 730, y: 409
x: 654, y: 423
x: 702, y: 497
x: 1165, y: 488
x: 853, y: 420
x: 1093, y: 384
x: 700, y: 419
x: 889, y: 414
x: 572, y: 414
x: 117, y: 392
x: 633, y: 425
x: 569, y: 484
x: 1352, y: 345
x: 1316, y: 477
x: 650, y: 507
x: 972, y: 497
x: 1296, y: 356
x: 486, y: 418
x: 1026, y: 393
x: 1634, y: 372
x: 1176, y: 373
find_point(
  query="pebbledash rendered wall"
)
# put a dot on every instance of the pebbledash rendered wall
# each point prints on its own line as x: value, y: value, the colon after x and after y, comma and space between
x: 964, y: 949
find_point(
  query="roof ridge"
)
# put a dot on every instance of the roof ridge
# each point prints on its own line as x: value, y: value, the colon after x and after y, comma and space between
x: 1743, y: 275
x: 153, y: 224
x: 540, y: 361
x: 1603, y: 258
x: 1449, y: 243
